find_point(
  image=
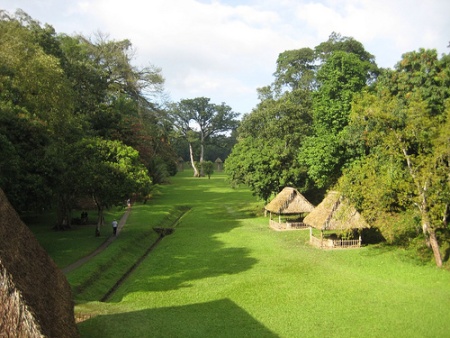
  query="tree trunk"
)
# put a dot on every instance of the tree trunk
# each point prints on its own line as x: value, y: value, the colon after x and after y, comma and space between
x: 100, y: 218
x: 64, y: 213
x: 191, y: 154
x: 435, y: 247
x: 202, y: 151
x: 431, y: 239
x: 428, y: 231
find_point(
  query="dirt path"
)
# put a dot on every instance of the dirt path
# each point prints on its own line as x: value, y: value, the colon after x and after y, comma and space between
x: 102, y: 247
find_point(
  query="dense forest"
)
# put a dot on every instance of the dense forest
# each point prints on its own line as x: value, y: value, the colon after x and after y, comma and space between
x: 78, y: 119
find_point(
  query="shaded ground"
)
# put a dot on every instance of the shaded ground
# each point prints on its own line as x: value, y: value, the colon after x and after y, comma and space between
x: 102, y: 247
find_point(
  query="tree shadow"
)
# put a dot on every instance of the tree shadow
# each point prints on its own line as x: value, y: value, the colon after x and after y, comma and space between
x: 190, y: 253
x: 193, y: 251
x: 220, y: 318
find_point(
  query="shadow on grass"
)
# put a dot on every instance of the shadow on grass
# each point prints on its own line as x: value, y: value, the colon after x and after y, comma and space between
x: 221, y: 318
x: 191, y: 253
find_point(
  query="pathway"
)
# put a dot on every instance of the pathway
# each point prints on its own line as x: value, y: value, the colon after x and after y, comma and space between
x: 102, y: 247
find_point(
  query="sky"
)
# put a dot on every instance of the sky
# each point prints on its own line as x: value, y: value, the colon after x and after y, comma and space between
x: 226, y: 49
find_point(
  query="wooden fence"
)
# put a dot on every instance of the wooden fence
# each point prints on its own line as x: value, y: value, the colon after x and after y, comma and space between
x: 329, y: 243
x: 288, y: 225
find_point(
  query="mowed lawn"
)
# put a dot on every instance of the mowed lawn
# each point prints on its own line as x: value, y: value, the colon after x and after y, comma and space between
x: 224, y: 273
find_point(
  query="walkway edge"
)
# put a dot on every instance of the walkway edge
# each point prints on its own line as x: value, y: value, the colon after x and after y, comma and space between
x: 102, y: 247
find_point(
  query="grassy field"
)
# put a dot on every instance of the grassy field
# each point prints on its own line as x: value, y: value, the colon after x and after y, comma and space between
x: 224, y: 273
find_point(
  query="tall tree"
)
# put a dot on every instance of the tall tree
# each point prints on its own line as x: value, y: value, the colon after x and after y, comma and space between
x: 339, y: 78
x: 35, y: 107
x: 265, y: 156
x: 200, y: 117
x: 295, y: 69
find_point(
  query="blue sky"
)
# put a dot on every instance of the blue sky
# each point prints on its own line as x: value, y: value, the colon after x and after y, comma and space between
x: 225, y: 50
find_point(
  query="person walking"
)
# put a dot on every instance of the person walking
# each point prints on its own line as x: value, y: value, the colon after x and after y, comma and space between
x: 114, y: 225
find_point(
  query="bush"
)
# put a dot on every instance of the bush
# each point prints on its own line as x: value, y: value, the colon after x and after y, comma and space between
x: 399, y: 228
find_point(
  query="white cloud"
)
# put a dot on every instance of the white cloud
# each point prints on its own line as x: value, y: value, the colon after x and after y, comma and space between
x: 225, y: 49
x: 204, y: 49
x: 387, y: 28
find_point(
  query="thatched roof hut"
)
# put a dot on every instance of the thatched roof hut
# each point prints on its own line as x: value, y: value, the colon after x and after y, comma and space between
x: 288, y: 202
x: 335, y: 213
x: 219, y: 164
x: 35, y: 297
x: 180, y: 164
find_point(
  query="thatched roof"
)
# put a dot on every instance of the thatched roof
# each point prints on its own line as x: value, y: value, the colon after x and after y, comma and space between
x: 289, y: 201
x: 335, y: 213
x: 35, y: 297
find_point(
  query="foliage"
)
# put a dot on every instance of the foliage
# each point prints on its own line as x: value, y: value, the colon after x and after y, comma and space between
x: 265, y: 156
x: 34, y: 113
x: 295, y: 134
x: 405, y: 130
x: 111, y: 173
x: 208, y: 168
x: 295, y: 70
x: 198, y: 120
x: 339, y: 78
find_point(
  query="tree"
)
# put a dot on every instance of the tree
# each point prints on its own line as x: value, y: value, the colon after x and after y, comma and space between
x: 265, y: 156
x: 111, y: 173
x: 339, y: 78
x: 198, y: 119
x: 208, y: 168
x: 35, y: 108
x: 295, y: 69
x: 113, y: 58
x: 407, y: 123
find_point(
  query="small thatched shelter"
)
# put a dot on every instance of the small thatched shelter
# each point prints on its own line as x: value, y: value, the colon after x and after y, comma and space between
x: 337, y: 214
x: 219, y: 164
x: 289, y: 202
x: 35, y: 297
x: 180, y: 164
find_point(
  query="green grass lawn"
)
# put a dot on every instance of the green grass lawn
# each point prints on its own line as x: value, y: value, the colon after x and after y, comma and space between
x: 224, y: 273
x: 67, y: 246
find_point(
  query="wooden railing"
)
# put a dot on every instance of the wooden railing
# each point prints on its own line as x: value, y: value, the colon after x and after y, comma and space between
x: 296, y: 225
x: 335, y: 243
x: 287, y: 226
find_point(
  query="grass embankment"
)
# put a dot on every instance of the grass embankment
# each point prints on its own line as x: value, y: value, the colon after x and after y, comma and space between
x: 224, y: 273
